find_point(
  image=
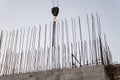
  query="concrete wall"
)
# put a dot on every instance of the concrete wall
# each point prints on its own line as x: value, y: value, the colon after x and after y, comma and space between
x: 82, y: 73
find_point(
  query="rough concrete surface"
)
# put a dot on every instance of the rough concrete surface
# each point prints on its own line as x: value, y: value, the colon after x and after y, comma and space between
x: 82, y: 73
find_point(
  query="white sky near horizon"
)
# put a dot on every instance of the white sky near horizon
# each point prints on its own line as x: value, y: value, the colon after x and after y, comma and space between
x: 24, y: 13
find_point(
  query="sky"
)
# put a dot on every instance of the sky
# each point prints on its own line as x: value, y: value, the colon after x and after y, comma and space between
x: 24, y: 13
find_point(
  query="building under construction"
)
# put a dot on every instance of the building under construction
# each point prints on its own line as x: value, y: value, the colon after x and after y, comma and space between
x: 57, y: 51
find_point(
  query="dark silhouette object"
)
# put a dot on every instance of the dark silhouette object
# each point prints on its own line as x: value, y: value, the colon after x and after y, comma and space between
x: 55, y: 11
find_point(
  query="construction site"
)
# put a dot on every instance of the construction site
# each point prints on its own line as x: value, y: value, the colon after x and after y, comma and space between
x: 57, y: 51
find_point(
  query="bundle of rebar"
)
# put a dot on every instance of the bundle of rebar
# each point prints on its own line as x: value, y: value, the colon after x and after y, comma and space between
x: 31, y: 49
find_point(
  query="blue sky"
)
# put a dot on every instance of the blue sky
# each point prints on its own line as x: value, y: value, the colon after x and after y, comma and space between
x: 24, y: 13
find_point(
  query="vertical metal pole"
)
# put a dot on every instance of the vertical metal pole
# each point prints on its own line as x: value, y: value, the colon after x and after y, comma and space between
x: 15, y: 47
x: 75, y: 43
x: 50, y: 47
x: 39, y: 38
x: 99, y: 33
x: 94, y: 40
x: 73, y: 33
x: 68, y: 49
x: 89, y: 39
x: 45, y: 47
x: 62, y: 43
x: 20, y: 54
x: 80, y: 38
x: 26, y: 50
x: 22, y: 51
x: 53, y: 43
x: 106, y: 50
x: 53, y: 34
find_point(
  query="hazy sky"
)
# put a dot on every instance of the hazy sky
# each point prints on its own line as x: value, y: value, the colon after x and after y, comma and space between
x: 23, y: 13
